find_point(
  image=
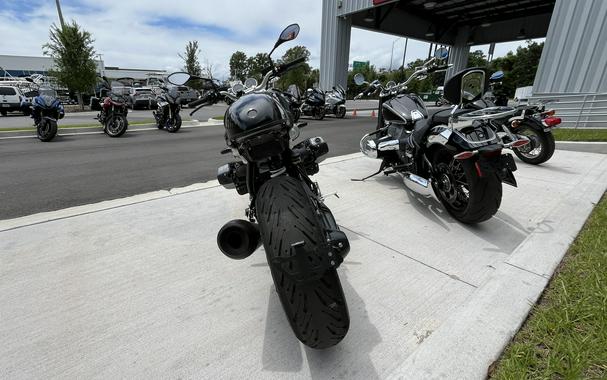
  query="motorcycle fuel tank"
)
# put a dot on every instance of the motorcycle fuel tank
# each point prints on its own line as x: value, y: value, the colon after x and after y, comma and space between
x: 408, y: 108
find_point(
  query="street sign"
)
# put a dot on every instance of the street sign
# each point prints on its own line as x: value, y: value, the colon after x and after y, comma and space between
x: 359, y: 65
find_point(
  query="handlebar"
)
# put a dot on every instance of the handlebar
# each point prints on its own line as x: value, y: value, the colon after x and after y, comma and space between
x: 287, y: 66
x: 200, y: 101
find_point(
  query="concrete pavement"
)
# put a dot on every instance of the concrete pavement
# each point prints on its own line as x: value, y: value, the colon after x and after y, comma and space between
x: 136, y: 287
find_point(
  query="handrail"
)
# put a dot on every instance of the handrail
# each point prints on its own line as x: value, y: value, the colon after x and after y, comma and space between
x: 580, y: 109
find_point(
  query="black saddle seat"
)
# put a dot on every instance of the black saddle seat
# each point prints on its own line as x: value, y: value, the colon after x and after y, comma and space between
x: 435, y: 117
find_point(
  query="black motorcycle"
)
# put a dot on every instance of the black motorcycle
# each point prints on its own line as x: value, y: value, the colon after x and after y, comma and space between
x: 451, y: 150
x: 533, y: 122
x: 302, y: 241
x: 167, y: 114
x: 314, y: 104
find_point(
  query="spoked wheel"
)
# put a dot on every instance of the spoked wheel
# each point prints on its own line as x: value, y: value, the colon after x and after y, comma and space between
x: 46, y: 130
x: 316, y: 309
x: 466, y: 196
x: 540, y: 148
x: 116, y: 126
x: 173, y: 124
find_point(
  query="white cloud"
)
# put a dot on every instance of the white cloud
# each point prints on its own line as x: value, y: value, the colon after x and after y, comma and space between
x: 124, y: 35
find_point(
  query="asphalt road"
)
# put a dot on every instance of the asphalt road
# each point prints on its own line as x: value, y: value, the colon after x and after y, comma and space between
x: 75, y: 170
x: 15, y: 120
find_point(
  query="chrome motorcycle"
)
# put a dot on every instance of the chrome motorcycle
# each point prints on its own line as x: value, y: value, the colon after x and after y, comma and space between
x: 453, y: 151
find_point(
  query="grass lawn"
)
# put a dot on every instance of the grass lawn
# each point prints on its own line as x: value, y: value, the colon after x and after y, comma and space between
x: 565, y: 336
x: 581, y: 134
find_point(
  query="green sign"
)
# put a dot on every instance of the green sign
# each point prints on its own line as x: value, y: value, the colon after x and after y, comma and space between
x: 358, y: 65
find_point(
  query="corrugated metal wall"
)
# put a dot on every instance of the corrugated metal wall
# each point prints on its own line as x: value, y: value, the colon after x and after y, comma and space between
x: 574, y: 59
x: 334, y: 46
x: 351, y: 6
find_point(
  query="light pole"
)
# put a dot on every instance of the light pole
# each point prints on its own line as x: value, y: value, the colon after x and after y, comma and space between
x: 392, y: 55
x: 405, y: 52
x: 60, y: 14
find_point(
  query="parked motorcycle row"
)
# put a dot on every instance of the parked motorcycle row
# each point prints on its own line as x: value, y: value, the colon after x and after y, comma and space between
x: 458, y: 153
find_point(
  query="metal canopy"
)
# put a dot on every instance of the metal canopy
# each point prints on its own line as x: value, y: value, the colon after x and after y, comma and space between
x: 482, y: 21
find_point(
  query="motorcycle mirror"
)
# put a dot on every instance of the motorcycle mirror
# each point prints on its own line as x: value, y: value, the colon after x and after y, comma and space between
x: 179, y: 78
x: 238, y: 87
x: 294, y: 133
x: 289, y: 33
x: 359, y: 79
x: 441, y: 53
x: 250, y: 83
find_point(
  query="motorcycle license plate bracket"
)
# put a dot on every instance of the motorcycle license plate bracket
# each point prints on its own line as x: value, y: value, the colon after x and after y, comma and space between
x: 502, y: 165
x: 301, y: 269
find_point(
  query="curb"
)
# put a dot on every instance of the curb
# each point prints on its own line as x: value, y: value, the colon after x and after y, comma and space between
x: 476, y: 334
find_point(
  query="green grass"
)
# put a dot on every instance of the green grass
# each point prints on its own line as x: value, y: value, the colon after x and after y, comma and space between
x: 218, y: 117
x: 563, y: 134
x: 565, y: 336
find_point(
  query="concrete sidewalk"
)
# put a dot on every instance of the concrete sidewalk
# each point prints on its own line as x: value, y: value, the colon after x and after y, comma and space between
x: 136, y: 287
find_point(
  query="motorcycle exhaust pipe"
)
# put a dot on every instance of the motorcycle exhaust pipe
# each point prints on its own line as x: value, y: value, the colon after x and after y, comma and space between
x: 238, y: 239
x: 417, y: 184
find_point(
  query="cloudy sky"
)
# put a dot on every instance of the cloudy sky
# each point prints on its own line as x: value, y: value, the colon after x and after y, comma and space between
x: 149, y: 34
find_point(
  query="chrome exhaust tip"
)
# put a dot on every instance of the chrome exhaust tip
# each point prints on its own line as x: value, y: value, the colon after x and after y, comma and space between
x: 418, y: 184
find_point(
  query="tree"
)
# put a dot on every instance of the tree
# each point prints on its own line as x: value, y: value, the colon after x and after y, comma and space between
x: 299, y: 75
x: 257, y: 64
x: 238, y: 66
x: 519, y: 68
x: 190, y: 59
x: 477, y: 59
x: 72, y: 50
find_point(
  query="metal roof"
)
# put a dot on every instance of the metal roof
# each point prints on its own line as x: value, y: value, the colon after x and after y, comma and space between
x: 485, y: 21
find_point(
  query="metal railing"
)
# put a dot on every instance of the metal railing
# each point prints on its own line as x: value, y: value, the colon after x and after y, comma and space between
x: 577, y: 110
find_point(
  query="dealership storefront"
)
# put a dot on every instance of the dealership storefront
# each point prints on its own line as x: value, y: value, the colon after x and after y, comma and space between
x: 573, y: 66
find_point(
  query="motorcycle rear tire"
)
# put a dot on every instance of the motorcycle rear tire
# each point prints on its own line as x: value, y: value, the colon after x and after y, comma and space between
x: 318, y: 114
x: 546, y: 140
x: 341, y: 113
x: 485, y: 193
x: 46, y: 131
x: 317, y: 309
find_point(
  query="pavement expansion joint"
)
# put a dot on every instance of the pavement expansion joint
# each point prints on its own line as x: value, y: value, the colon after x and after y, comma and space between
x: 451, y: 276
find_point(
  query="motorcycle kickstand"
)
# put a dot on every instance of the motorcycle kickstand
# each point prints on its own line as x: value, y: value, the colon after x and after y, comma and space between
x: 381, y: 169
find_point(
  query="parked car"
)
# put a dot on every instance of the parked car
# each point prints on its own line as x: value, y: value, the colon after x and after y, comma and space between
x: 141, y: 97
x: 187, y: 94
x: 10, y: 100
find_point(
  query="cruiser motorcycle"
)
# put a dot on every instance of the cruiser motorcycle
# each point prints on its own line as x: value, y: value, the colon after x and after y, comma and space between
x: 452, y: 151
x: 303, y: 244
x: 167, y: 114
x: 533, y: 122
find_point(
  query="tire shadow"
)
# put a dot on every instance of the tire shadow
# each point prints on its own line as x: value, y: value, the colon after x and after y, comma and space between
x: 351, y: 358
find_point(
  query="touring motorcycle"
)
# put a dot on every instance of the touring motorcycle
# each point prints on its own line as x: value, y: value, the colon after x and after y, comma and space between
x: 303, y: 244
x: 533, y: 122
x: 169, y: 104
x: 45, y: 109
x: 452, y: 151
x: 113, y: 109
x: 314, y: 104
x: 335, y: 102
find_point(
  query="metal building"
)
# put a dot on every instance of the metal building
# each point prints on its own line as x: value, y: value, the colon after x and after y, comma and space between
x: 572, y: 68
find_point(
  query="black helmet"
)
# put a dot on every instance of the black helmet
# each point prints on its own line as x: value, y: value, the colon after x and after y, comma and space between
x: 253, y: 112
